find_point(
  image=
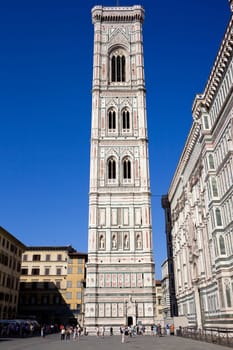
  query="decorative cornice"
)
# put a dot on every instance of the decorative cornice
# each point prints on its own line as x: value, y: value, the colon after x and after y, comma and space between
x: 203, y: 102
x: 118, y: 14
x: 231, y: 5
x: 221, y: 63
x: 185, y: 156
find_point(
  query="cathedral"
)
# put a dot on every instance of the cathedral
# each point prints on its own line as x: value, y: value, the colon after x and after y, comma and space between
x: 120, y: 269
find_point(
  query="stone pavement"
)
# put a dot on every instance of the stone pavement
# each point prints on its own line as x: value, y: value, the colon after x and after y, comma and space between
x: 53, y: 342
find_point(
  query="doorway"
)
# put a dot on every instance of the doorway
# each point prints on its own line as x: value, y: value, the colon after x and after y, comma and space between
x: 129, y: 321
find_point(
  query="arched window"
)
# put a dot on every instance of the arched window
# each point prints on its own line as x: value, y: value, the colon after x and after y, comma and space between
x: 206, y: 122
x: 101, y: 242
x: 114, y: 242
x: 126, y: 241
x: 118, y: 68
x: 126, y: 168
x: 111, y: 168
x: 125, y: 119
x: 211, y: 161
x: 218, y: 217
x: 222, y: 245
x: 214, y: 187
x: 228, y: 294
x: 139, y: 241
x: 215, y: 247
x: 111, y: 119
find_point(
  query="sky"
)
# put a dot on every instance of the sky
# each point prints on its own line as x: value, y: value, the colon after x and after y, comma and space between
x: 46, y: 51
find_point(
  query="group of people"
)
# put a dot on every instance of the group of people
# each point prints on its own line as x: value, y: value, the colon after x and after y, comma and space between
x: 131, y: 331
x: 70, y: 332
x: 74, y: 332
x: 100, y: 331
x: 157, y: 330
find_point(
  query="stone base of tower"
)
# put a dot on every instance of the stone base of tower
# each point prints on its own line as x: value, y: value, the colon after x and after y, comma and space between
x: 110, y: 308
x: 92, y: 324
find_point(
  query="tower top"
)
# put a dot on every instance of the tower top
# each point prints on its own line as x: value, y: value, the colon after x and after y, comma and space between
x: 118, y: 14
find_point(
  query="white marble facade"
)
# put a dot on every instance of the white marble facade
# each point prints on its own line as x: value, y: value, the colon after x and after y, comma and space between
x: 201, y: 202
x: 120, y: 268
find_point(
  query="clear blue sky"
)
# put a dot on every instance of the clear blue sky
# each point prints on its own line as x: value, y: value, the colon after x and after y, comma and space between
x: 45, y: 107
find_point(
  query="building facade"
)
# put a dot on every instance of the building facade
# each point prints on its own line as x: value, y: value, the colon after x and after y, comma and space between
x: 51, y: 284
x: 201, y: 202
x: 166, y: 309
x: 120, y: 268
x: 168, y: 266
x: 159, y: 301
x: 76, y: 281
x: 11, y: 250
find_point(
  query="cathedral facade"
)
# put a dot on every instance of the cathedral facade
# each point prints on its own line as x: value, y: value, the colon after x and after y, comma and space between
x: 200, y: 202
x: 120, y: 269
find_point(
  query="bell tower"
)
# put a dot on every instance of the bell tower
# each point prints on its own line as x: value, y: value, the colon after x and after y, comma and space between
x: 120, y: 269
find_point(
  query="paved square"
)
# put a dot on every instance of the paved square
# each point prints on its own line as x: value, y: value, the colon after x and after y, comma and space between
x: 53, y: 342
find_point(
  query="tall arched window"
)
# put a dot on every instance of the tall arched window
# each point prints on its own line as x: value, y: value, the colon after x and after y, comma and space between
x: 222, y: 245
x: 111, y: 120
x: 111, y: 168
x: 214, y: 187
x: 125, y: 119
x: 206, y: 122
x: 118, y: 68
x: 215, y: 246
x: 211, y: 161
x: 218, y: 217
x: 101, y: 242
x: 228, y: 293
x: 126, y: 168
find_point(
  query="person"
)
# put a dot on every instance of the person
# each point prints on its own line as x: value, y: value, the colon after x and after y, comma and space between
x: 75, y: 331
x: 97, y: 331
x: 67, y: 334
x: 159, y: 330
x: 155, y: 330
x: 172, y: 329
x: 167, y: 329
x: 111, y: 331
x: 42, y: 331
x: 103, y: 331
x: 122, y: 331
x: 63, y: 331
x: 79, y: 330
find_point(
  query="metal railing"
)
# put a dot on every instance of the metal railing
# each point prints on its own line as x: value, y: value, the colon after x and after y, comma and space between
x: 222, y: 336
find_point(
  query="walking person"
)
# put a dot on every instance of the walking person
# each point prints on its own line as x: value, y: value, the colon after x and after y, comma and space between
x: 122, y: 331
x: 79, y: 330
x: 75, y: 331
x: 97, y: 331
x: 167, y: 329
x: 103, y: 331
x: 155, y: 330
x: 42, y: 331
x: 63, y: 331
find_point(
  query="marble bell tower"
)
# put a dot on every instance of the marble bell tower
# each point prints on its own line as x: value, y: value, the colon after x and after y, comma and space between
x: 120, y: 270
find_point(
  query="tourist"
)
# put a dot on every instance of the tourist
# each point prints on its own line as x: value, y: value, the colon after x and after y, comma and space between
x: 63, y: 331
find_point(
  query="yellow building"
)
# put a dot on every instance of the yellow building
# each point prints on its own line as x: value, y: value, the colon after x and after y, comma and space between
x: 50, y: 283
x: 75, y: 284
x: 11, y: 250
